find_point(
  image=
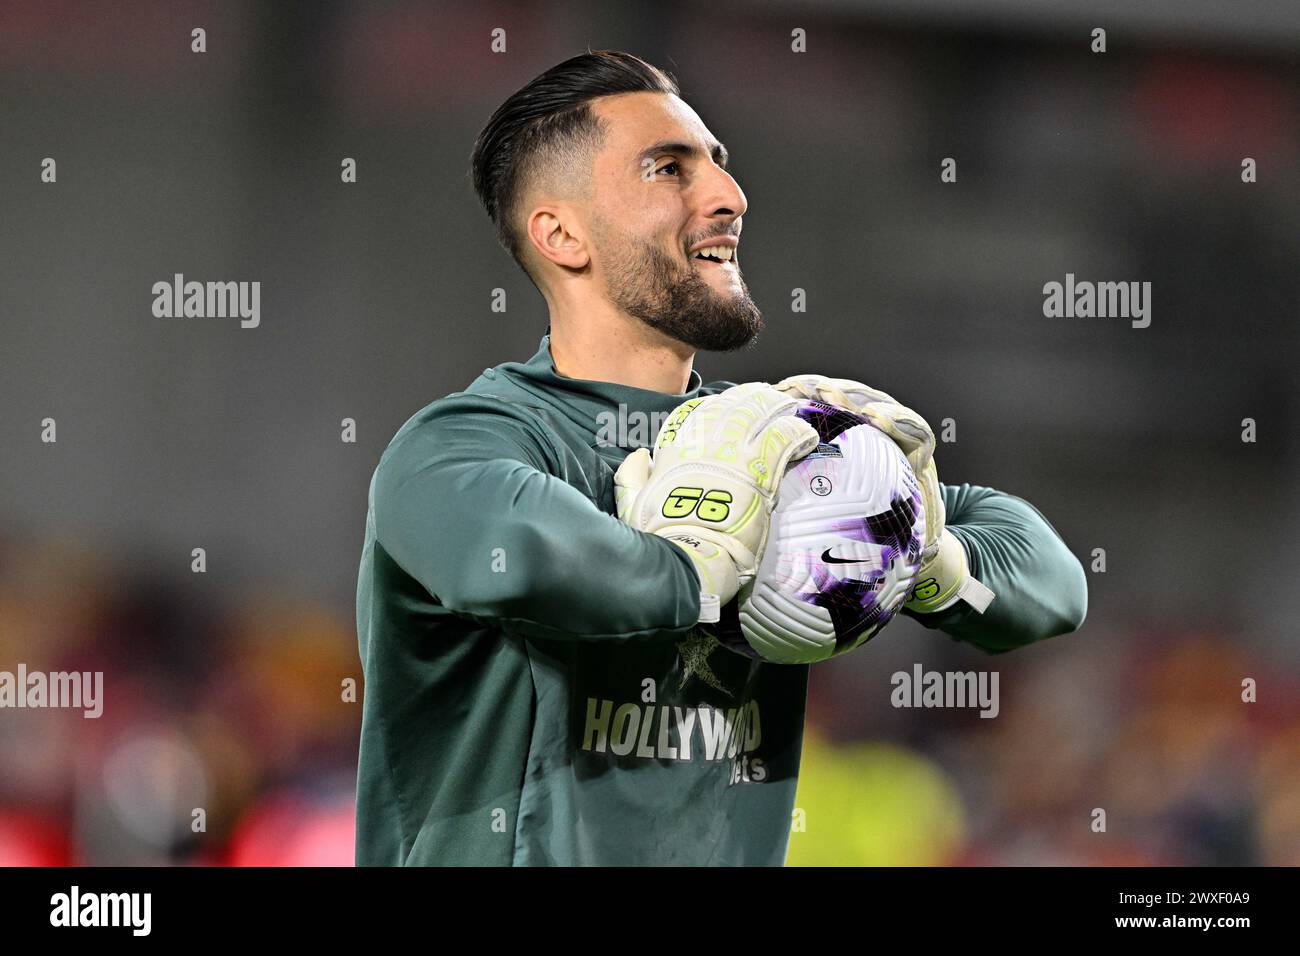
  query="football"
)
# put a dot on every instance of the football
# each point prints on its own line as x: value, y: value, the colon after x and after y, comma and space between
x: 843, y: 550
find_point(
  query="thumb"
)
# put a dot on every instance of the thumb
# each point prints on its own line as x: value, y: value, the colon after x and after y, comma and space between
x: 859, y: 394
x: 805, y: 386
x: 801, y: 438
x: 909, y: 430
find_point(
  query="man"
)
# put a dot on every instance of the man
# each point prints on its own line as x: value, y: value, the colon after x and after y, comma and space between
x: 536, y: 692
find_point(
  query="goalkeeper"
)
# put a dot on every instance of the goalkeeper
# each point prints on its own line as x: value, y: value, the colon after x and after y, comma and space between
x: 535, y: 689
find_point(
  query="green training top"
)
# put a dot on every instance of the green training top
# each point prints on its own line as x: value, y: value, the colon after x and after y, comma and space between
x: 534, y: 690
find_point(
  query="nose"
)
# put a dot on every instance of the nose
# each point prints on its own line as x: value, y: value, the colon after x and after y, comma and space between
x: 723, y: 197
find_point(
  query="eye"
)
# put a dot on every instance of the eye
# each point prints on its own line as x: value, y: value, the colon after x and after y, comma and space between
x: 673, y: 165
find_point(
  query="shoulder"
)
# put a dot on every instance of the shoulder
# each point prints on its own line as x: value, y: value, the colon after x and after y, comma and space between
x: 471, y: 424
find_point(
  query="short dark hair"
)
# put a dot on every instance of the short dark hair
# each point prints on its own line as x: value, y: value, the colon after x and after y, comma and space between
x: 551, y: 120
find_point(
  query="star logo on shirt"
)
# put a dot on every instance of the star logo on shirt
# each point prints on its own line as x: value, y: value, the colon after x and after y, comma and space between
x: 694, y: 653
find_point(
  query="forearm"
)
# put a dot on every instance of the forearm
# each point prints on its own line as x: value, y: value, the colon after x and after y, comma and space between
x: 1039, y: 585
x: 502, y: 542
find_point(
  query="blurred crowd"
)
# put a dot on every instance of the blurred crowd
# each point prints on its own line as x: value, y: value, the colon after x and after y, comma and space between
x: 225, y: 737
x: 228, y: 738
x: 1118, y: 745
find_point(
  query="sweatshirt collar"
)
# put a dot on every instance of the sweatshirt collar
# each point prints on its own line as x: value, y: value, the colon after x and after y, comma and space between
x: 602, y: 395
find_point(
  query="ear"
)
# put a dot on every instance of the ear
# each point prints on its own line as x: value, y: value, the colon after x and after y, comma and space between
x: 557, y: 236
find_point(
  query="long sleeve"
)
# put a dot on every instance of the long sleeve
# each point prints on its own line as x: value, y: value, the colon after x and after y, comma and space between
x: 1040, y: 587
x: 465, y: 502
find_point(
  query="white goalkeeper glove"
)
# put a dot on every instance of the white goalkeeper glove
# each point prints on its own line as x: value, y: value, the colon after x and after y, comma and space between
x: 711, y: 484
x: 944, y: 577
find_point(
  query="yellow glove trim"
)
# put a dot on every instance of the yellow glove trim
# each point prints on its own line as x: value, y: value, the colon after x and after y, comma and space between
x: 946, y: 579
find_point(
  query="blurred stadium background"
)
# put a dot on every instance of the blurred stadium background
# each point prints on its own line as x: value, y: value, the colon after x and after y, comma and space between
x: 222, y: 689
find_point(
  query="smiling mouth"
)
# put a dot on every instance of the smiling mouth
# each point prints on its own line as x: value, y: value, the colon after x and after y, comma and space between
x: 722, y: 259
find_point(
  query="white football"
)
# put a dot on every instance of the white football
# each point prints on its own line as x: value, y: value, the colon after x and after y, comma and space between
x: 843, y: 550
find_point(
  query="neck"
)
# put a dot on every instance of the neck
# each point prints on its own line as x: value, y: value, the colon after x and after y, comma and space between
x: 606, y: 345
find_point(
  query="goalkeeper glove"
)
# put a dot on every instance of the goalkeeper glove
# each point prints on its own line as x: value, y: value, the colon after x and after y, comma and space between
x: 944, y: 578
x: 711, y: 484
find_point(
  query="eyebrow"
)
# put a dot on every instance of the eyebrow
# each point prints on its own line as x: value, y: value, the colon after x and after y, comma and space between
x: 688, y: 150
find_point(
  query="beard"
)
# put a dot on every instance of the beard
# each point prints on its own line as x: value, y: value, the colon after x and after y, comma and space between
x: 648, y: 284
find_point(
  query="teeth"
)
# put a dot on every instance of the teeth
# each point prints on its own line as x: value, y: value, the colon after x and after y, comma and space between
x: 723, y: 253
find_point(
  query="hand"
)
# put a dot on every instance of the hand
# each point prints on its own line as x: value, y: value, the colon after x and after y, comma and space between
x: 711, y: 483
x: 944, y: 577
x: 909, y: 431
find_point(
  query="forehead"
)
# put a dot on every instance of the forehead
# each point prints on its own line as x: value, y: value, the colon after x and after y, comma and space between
x: 635, y: 121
